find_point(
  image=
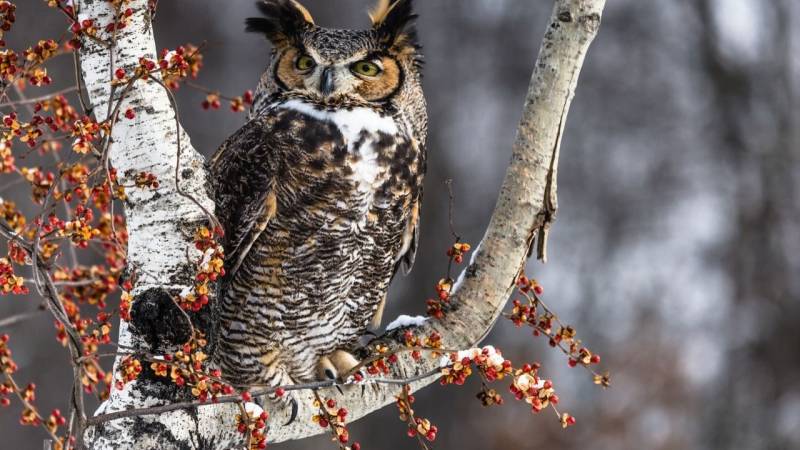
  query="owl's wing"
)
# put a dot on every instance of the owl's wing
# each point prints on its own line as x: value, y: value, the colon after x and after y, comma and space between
x: 242, y: 174
x: 408, y: 252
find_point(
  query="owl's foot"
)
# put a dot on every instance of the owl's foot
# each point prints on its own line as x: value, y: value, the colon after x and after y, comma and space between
x: 336, y: 365
x: 286, y: 399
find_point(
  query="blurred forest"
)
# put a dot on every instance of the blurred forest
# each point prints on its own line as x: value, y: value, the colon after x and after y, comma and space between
x: 677, y: 234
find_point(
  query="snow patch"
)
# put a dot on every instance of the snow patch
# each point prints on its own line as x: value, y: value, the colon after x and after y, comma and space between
x: 463, y: 273
x: 492, y: 354
x: 406, y: 321
x: 253, y: 410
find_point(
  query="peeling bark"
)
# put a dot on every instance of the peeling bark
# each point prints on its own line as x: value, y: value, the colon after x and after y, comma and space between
x: 157, y: 224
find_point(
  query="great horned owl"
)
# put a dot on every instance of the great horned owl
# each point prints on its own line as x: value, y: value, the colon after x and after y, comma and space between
x: 319, y: 194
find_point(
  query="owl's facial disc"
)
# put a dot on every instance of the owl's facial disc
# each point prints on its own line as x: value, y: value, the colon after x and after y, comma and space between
x: 362, y: 76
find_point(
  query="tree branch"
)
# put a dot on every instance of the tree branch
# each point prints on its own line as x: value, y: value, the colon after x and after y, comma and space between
x: 158, y: 242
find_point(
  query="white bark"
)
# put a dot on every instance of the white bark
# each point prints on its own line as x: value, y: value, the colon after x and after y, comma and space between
x: 160, y: 222
x: 157, y: 224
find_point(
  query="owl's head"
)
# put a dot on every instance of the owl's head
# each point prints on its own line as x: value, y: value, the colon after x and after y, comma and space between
x: 378, y: 66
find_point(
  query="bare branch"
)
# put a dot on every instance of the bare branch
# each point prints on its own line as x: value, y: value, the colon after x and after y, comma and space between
x: 20, y: 318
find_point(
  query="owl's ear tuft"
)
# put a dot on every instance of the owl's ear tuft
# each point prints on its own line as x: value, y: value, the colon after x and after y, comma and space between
x: 283, y: 21
x: 394, y: 21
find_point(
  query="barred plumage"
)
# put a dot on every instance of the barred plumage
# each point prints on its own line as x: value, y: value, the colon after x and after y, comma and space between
x: 319, y: 195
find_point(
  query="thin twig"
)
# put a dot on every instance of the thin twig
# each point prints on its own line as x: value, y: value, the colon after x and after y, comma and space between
x: 19, y: 318
x: 211, y: 217
x: 29, y: 101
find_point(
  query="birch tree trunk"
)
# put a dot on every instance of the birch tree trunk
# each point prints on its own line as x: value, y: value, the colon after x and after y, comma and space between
x: 160, y: 225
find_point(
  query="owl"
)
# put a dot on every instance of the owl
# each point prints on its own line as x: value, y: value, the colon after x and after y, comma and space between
x: 319, y: 194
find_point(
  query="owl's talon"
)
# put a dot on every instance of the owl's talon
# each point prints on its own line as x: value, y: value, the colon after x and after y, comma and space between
x: 293, y: 402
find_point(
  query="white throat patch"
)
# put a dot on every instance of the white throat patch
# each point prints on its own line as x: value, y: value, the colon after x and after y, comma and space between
x: 352, y: 124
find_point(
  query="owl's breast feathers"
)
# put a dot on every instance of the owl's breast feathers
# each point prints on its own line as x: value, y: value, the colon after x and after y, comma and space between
x: 319, y: 209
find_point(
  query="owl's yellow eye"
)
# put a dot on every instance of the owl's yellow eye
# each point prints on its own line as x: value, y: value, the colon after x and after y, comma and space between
x: 304, y: 63
x: 366, y: 68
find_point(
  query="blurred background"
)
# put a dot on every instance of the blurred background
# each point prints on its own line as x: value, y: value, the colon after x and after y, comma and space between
x: 676, y: 252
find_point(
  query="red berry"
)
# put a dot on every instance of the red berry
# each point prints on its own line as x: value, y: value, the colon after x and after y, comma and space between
x: 129, y: 114
x: 356, y: 446
x: 246, y: 396
x: 120, y: 73
x: 280, y: 392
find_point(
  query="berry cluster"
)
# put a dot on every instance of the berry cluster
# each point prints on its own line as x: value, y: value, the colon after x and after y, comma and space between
x: 529, y: 387
x: 41, y: 52
x: 7, y: 16
x: 444, y: 288
x: 210, y: 268
x: 179, y: 64
x: 80, y: 28
x: 85, y: 131
x: 238, y: 103
x: 417, y: 344
x: 533, y: 313
x: 488, y: 360
x: 458, y: 250
x: 417, y: 427
x: 253, y: 423
x: 213, y: 99
x: 333, y: 417
x: 10, y: 283
x: 146, y: 180
x: 187, y: 367
x: 129, y: 370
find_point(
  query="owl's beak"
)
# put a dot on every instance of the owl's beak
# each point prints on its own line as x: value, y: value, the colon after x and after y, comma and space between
x: 327, y: 85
